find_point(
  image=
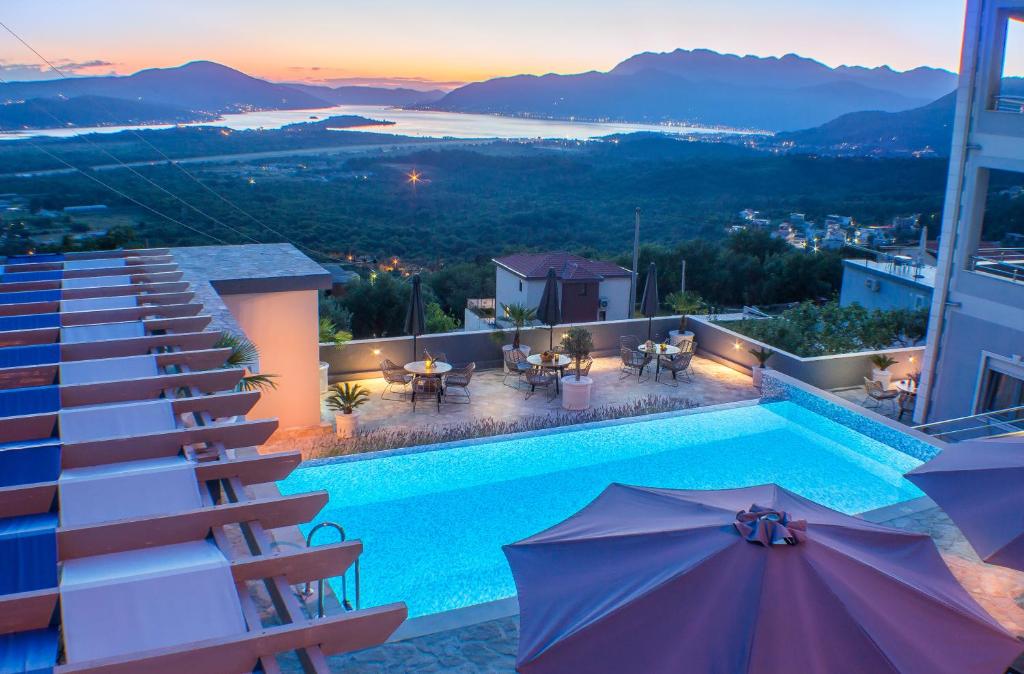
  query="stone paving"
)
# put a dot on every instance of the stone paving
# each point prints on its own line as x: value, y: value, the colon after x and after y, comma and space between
x: 490, y: 647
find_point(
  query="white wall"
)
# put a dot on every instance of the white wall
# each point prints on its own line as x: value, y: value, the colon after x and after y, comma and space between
x: 617, y: 291
x: 283, y: 326
x: 506, y: 289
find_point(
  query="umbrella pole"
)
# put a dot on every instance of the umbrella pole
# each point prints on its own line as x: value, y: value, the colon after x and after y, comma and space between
x: 551, y: 337
x: 414, y: 347
x: 650, y: 321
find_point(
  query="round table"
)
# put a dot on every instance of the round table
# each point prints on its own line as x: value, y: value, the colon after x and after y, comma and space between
x: 419, y: 367
x: 908, y: 387
x: 559, y: 363
x: 657, y: 350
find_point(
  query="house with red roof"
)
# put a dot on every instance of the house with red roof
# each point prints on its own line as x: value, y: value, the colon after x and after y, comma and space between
x: 590, y: 290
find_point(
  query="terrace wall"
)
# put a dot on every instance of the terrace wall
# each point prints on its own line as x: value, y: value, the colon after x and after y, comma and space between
x: 825, y: 372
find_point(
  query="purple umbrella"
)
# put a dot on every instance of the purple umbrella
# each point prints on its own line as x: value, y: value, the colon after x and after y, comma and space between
x: 978, y: 484
x: 742, y: 580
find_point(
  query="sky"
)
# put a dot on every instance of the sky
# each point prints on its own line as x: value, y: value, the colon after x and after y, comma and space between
x: 446, y: 42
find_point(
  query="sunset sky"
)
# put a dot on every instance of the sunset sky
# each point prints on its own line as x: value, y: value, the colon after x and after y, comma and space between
x: 449, y: 41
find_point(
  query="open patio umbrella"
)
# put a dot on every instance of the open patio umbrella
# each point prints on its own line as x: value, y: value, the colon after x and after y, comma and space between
x: 415, y: 322
x: 549, y: 312
x: 649, y: 305
x: 978, y: 484
x: 742, y: 580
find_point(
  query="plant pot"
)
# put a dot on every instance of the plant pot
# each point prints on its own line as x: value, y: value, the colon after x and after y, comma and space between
x: 508, y: 347
x: 325, y: 369
x: 755, y: 372
x: 883, y: 377
x: 346, y: 425
x: 576, y: 392
x: 676, y: 338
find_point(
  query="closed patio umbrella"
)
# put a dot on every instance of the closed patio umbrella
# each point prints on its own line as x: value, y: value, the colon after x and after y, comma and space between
x: 978, y: 484
x: 649, y: 305
x: 549, y: 312
x: 415, y: 322
x: 755, y: 580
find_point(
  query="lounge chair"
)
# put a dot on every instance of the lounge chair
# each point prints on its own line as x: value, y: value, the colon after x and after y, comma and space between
x: 458, y: 380
x: 427, y: 386
x: 516, y: 367
x: 678, y: 364
x: 395, y: 376
x: 880, y: 396
x: 633, y: 362
x: 539, y: 377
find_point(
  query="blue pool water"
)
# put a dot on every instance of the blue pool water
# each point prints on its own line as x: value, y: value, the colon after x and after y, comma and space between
x: 433, y: 523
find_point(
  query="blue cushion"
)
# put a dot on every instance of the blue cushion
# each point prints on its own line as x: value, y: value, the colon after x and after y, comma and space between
x: 29, y: 462
x: 34, y: 354
x: 32, y: 652
x: 37, y: 257
x: 29, y: 321
x: 28, y: 553
x: 26, y: 276
x: 27, y: 296
x: 29, y: 400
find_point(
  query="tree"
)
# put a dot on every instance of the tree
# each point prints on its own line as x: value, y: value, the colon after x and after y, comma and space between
x: 457, y: 283
x: 378, y: 308
x: 438, y: 320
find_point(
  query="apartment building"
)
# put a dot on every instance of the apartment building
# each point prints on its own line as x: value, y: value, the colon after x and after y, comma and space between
x: 975, y: 357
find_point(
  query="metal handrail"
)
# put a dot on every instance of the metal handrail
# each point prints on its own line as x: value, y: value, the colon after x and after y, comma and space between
x: 344, y: 576
x: 1004, y: 425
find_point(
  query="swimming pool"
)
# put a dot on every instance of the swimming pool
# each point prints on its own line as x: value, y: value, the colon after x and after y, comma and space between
x: 433, y: 522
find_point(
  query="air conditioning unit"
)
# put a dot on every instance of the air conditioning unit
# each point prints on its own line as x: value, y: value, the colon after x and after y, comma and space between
x: 604, y: 302
x: 872, y: 284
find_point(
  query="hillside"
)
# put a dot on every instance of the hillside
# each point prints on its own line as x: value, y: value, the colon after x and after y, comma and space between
x: 200, y: 86
x: 705, y: 87
x: 85, y: 111
x: 359, y: 95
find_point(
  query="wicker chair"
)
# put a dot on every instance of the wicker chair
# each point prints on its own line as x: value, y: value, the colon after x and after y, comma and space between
x: 394, y: 376
x: 880, y: 396
x: 427, y: 386
x: 905, y: 403
x: 459, y: 379
x: 539, y: 377
x: 629, y: 342
x: 679, y: 364
x: 516, y: 366
x: 633, y: 362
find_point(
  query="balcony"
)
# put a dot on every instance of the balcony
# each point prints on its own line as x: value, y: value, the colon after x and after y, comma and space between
x: 1004, y: 263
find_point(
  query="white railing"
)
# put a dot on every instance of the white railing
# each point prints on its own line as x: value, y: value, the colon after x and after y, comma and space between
x: 1006, y: 263
x: 1009, y: 104
x: 986, y: 424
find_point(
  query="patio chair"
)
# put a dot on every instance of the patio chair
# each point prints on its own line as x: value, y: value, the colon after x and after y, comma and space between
x: 516, y: 366
x: 539, y: 377
x: 905, y: 403
x: 394, y: 376
x: 679, y: 364
x: 459, y: 379
x: 629, y: 342
x: 585, y: 366
x: 879, y: 395
x: 427, y: 386
x: 633, y: 362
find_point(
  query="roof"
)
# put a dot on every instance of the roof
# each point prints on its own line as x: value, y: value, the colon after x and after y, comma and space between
x: 568, y: 267
x: 340, y: 275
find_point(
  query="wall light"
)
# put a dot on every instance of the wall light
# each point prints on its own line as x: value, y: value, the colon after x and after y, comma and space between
x: 376, y: 352
x: 736, y: 345
x: 911, y: 359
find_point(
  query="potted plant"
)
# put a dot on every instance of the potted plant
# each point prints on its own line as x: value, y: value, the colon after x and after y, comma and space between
x: 330, y: 335
x: 520, y: 316
x: 344, y: 399
x: 684, y: 303
x: 577, y: 344
x: 880, y: 373
x: 762, y: 355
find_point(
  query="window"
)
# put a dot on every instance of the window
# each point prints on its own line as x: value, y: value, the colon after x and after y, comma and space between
x: 520, y: 285
x: 1002, y: 391
x: 999, y: 249
x: 602, y: 315
x: 1009, y: 92
x: 1001, y: 387
x: 582, y: 292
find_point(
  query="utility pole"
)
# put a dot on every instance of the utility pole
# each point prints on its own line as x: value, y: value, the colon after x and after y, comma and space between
x: 636, y: 262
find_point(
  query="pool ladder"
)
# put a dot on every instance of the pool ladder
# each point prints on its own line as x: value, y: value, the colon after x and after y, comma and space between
x: 308, y: 592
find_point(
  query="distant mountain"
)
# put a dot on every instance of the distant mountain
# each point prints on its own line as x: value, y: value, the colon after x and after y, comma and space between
x: 361, y: 95
x: 50, y: 113
x: 708, y: 88
x: 201, y: 86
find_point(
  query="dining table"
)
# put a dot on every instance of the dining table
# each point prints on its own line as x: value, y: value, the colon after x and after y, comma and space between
x: 659, y: 350
x: 558, y: 363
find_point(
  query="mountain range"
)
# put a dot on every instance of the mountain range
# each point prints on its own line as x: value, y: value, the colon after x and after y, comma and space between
x: 707, y: 88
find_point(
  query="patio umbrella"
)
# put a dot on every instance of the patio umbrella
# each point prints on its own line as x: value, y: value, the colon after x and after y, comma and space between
x: 649, y: 305
x: 414, y: 320
x: 550, y: 312
x: 978, y: 484
x: 754, y: 580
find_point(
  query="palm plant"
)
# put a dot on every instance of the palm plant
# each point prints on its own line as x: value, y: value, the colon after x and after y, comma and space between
x: 244, y: 354
x: 685, y: 302
x: 577, y: 344
x: 330, y: 334
x: 346, y: 397
x: 520, y: 316
x: 883, y: 361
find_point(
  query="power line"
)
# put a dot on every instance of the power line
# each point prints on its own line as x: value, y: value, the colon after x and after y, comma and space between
x: 172, y: 162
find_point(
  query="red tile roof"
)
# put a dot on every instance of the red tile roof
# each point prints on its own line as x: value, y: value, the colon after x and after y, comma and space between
x: 568, y: 267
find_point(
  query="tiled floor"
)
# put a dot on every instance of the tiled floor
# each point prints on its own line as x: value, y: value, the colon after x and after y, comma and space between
x: 711, y: 384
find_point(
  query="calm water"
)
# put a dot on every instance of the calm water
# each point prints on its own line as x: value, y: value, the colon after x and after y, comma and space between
x: 419, y: 123
x: 432, y: 524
